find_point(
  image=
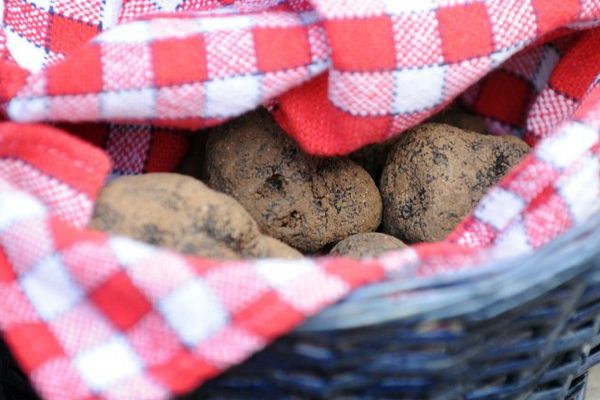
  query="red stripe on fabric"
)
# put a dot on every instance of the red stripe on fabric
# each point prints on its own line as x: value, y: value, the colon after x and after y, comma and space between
x: 307, y: 115
x: 65, y: 158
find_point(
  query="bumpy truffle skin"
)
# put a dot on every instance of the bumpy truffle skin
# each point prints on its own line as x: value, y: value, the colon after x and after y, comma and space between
x: 268, y: 247
x: 370, y: 244
x: 304, y: 201
x: 435, y: 174
x: 177, y: 212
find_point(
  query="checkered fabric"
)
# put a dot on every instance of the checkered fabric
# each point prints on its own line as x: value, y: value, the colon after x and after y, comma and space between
x: 94, y: 316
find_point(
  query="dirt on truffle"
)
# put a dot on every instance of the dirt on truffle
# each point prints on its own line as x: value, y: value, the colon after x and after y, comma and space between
x: 268, y: 247
x: 304, y: 201
x: 371, y: 244
x: 435, y: 174
x: 177, y: 212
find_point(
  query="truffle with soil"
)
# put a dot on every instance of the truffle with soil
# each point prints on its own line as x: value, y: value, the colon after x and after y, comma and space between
x: 436, y: 173
x: 183, y: 214
x: 304, y: 201
x: 264, y: 197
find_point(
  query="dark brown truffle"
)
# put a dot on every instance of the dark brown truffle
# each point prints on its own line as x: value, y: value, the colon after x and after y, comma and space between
x: 436, y: 173
x: 304, y: 201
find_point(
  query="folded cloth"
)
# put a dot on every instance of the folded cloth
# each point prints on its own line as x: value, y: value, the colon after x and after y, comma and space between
x: 93, y: 316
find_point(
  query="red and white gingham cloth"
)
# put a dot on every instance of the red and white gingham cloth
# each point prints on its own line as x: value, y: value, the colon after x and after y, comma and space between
x: 94, y: 316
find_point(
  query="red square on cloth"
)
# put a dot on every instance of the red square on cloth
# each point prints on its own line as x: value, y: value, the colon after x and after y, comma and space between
x: 504, y: 97
x: 466, y: 31
x: 553, y: 13
x: 269, y: 316
x: 281, y: 48
x: 576, y: 85
x: 179, y: 61
x: 79, y: 74
x: 18, y: 78
x: 121, y: 301
x: 355, y: 273
x: 340, y: 133
x: 371, y: 50
x: 32, y: 344
x: 67, y: 34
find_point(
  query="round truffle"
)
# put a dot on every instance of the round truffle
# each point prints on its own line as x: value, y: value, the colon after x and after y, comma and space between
x: 435, y: 174
x: 371, y: 244
x: 268, y: 247
x: 304, y: 201
x: 177, y: 212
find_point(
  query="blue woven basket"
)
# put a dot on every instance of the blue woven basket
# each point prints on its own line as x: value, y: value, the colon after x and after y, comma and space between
x: 524, y: 328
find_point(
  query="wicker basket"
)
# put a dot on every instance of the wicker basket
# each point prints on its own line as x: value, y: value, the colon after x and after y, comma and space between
x: 526, y: 328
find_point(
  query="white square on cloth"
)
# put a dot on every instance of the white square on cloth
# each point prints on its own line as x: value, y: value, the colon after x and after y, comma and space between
x: 280, y: 272
x: 17, y: 207
x: 499, y: 207
x: 25, y: 53
x: 231, y: 96
x: 567, y: 145
x: 193, y: 311
x: 106, y: 364
x: 129, y: 104
x: 581, y: 189
x: 129, y: 251
x: 45, y: 4
x: 418, y: 89
x: 132, y: 32
x: 514, y: 241
x: 50, y: 288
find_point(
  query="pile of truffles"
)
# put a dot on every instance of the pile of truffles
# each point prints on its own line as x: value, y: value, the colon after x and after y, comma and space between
x: 246, y: 190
